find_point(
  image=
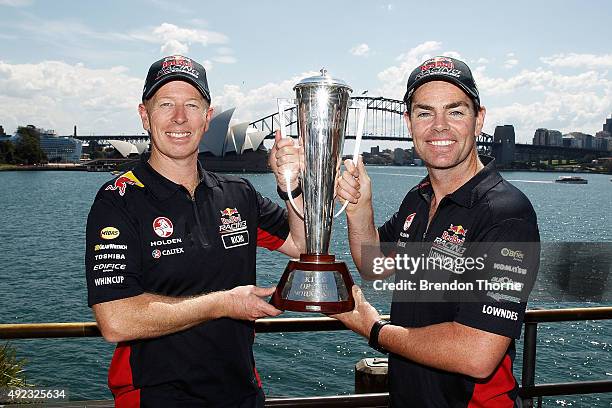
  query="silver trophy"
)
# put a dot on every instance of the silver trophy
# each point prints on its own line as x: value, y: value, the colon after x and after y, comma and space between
x: 317, y: 282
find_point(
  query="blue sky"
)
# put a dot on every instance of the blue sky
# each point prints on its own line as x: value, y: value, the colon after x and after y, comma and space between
x: 537, y: 63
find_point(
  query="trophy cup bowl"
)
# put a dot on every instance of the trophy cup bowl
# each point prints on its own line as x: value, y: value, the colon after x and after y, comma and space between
x: 317, y: 282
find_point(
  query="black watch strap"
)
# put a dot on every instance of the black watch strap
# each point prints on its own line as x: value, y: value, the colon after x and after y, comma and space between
x: 374, y: 332
x: 285, y: 196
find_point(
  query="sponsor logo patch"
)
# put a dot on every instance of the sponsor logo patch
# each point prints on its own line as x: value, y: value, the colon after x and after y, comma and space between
x: 163, y: 227
x: 108, y: 280
x: 500, y: 312
x: 109, y: 267
x: 177, y: 63
x: 124, y: 180
x: 231, y: 222
x: 517, y: 255
x: 163, y: 242
x: 109, y: 233
x: 235, y: 239
x: 109, y: 256
x: 102, y: 247
x: 408, y: 221
x: 157, y: 253
x: 509, y: 268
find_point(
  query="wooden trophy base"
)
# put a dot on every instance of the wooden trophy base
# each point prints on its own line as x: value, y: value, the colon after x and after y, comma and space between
x: 315, y: 283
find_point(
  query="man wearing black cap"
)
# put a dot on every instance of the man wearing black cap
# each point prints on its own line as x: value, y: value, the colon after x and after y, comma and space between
x: 170, y: 259
x: 458, y: 351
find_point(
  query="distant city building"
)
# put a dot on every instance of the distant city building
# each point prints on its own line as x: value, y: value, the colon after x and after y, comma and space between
x: 583, y: 140
x: 504, y: 146
x: 571, y: 141
x: 603, y: 140
x: 555, y: 138
x: 547, y: 137
x: 600, y: 143
x: 607, y: 127
x: 375, y: 150
x: 400, y: 157
x: 2, y: 131
x: 60, y: 149
x: 539, y: 137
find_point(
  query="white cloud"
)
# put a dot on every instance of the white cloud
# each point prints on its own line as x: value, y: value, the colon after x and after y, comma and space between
x: 539, y: 80
x: 394, y: 77
x: 174, y: 47
x: 224, y: 50
x: 531, y: 98
x: 255, y: 103
x: 545, y: 98
x: 15, y: 3
x: 582, y: 111
x: 360, y: 50
x: 511, y: 63
x: 207, y: 64
x: 171, y: 36
x: 574, y: 60
x: 56, y: 95
x: 225, y: 59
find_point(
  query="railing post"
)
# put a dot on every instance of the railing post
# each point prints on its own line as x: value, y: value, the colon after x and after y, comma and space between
x: 529, y: 359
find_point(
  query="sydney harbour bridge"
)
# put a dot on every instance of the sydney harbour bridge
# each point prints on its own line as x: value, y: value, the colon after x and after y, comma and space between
x: 384, y: 121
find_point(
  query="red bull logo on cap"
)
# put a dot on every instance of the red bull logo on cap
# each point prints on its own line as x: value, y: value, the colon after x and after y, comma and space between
x: 120, y: 184
x: 437, y: 62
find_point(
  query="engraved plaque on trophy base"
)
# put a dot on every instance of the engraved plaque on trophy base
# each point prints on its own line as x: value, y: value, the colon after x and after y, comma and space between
x: 315, y: 283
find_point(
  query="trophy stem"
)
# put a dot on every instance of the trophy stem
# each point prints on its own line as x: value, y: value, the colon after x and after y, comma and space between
x: 317, y: 258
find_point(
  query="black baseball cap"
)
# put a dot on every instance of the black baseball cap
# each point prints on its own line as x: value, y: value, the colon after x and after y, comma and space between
x: 443, y: 69
x: 175, y: 68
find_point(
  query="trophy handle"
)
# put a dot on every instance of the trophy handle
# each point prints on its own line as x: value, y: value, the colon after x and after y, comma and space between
x: 283, y: 104
x: 362, y: 107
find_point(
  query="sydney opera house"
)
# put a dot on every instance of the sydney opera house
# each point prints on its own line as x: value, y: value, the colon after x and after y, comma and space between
x: 224, y: 147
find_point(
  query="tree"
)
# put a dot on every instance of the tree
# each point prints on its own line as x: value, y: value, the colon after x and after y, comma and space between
x: 7, y: 152
x: 27, y: 150
x: 11, y: 368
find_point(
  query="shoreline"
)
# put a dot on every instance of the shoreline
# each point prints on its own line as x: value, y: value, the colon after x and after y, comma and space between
x: 10, y: 167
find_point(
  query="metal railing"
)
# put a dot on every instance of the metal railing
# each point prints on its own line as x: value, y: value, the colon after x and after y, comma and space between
x: 528, y: 391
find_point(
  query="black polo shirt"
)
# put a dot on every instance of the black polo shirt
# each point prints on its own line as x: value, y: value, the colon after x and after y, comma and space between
x: 146, y: 234
x: 486, y: 209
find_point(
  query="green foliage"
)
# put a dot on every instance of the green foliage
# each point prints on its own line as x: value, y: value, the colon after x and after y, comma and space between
x: 7, y: 152
x: 27, y: 149
x: 12, y: 373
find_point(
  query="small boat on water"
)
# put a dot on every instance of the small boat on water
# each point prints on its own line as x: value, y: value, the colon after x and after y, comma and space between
x: 571, y: 180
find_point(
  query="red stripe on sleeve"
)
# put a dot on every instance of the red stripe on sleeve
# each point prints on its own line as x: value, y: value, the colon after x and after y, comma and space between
x: 120, y: 379
x: 267, y: 240
x: 494, y: 393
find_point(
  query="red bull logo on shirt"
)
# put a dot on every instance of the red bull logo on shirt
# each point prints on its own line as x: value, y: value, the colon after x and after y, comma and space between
x: 123, y: 181
x: 228, y: 212
x: 231, y: 221
x: 458, y: 229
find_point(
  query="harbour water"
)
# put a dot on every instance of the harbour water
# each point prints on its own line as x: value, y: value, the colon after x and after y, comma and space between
x: 42, y: 280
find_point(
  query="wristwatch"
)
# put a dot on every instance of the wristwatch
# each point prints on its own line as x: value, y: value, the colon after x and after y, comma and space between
x: 374, y: 332
x: 285, y: 196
